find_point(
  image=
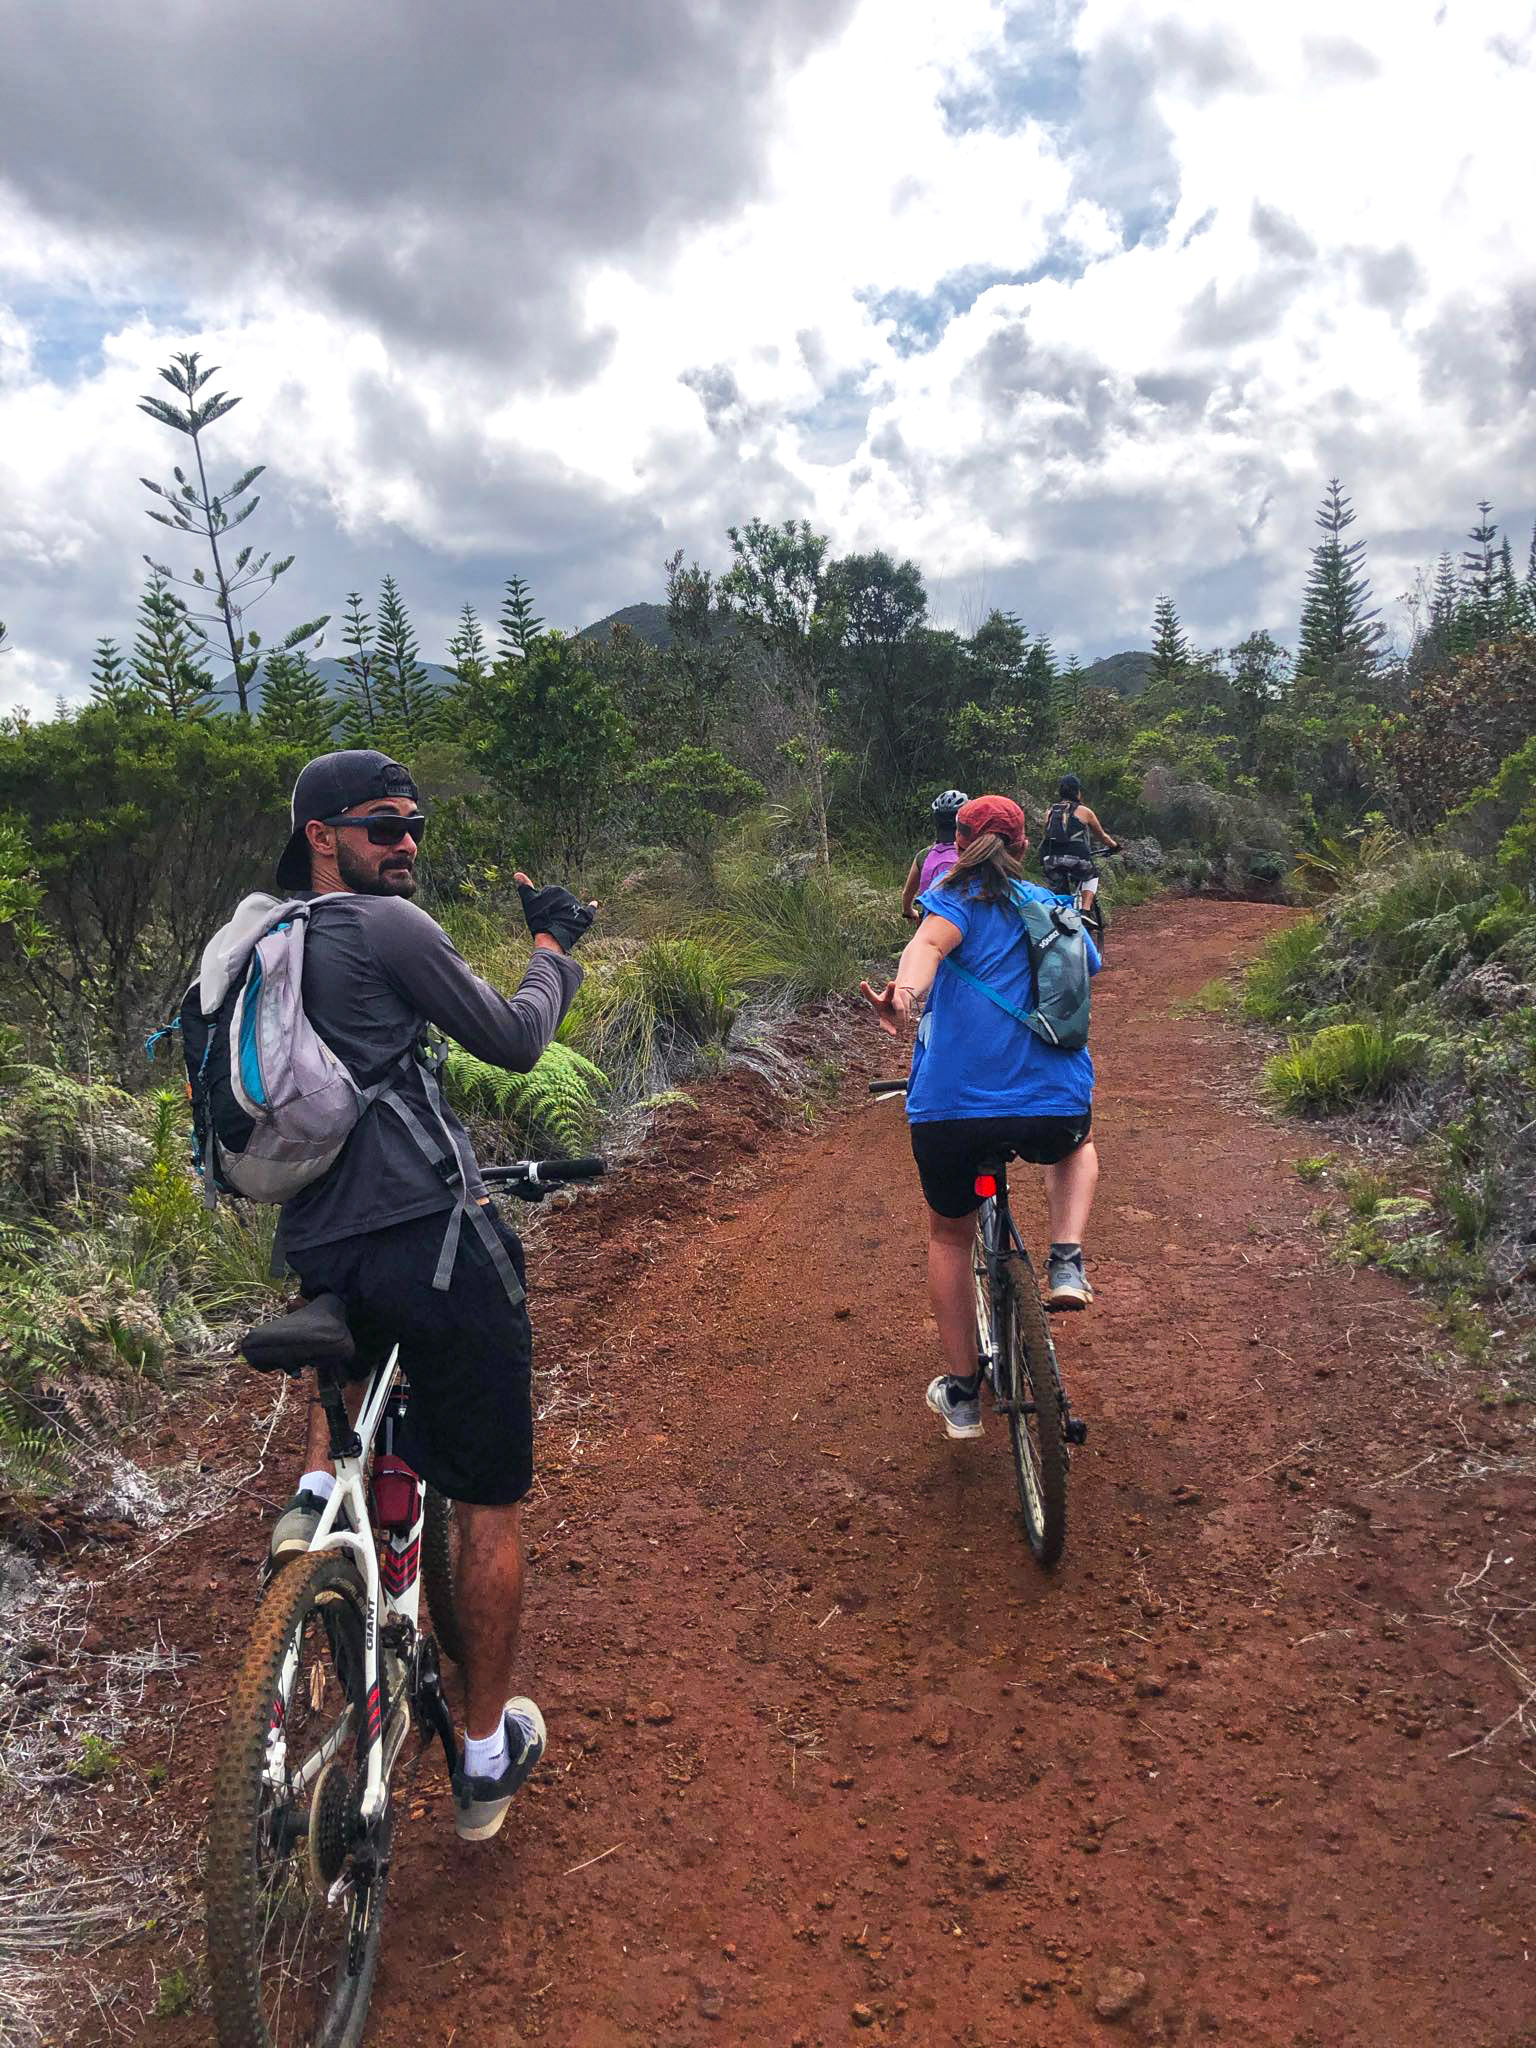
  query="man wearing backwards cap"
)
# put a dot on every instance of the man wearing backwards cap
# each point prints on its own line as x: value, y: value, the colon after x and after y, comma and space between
x: 982, y: 1084
x: 377, y: 971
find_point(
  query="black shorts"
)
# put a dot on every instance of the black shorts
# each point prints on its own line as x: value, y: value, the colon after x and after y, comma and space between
x: 951, y: 1152
x: 467, y: 1352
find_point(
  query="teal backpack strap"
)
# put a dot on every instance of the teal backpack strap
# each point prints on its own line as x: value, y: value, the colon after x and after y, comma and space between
x: 991, y: 994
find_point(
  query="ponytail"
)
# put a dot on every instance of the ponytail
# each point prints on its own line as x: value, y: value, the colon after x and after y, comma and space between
x: 985, y: 869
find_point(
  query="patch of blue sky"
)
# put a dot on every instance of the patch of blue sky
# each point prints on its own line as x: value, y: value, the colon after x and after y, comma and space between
x: 918, y: 319
x: 1037, y: 75
x: 832, y: 430
x: 65, y: 331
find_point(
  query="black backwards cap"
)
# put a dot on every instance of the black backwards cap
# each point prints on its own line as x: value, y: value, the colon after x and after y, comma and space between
x: 329, y: 785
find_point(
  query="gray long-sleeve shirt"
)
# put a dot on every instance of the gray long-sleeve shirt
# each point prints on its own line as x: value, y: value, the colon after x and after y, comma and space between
x: 377, y: 971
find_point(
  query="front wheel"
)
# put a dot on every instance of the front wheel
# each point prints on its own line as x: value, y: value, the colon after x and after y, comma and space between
x: 1096, y: 919
x: 1027, y: 1369
x: 295, y: 1891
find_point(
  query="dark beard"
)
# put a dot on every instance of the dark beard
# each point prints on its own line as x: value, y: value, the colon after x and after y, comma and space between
x: 366, y: 881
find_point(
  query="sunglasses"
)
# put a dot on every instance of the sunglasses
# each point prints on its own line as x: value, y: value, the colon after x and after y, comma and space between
x: 385, y: 828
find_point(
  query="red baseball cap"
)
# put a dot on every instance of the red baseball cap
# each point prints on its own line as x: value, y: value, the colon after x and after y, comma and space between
x: 999, y: 814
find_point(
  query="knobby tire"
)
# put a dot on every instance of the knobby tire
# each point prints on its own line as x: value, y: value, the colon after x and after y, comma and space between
x: 437, y: 1534
x: 1039, y: 1440
x: 259, y: 1991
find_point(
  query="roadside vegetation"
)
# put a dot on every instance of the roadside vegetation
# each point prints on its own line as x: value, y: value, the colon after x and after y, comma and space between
x: 741, y: 774
x: 1408, y: 1003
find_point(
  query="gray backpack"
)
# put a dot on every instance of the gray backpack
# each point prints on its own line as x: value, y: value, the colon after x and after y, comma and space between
x: 272, y: 1104
x: 1059, y: 971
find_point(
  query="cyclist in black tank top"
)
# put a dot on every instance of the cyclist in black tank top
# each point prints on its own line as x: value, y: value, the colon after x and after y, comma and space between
x: 1071, y: 832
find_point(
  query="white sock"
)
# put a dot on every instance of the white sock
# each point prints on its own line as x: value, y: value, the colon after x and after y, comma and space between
x: 486, y: 1756
x: 321, y: 1484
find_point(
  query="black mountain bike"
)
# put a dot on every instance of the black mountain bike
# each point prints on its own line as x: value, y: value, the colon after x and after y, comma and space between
x: 338, y: 1670
x: 1018, y: 1360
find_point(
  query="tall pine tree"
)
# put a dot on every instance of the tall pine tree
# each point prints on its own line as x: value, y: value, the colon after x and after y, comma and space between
x: 1340, y: 638
x: 521, y: 628
x: 1480, y: 579
x: 113, y: 683
x: 1170, y: 647
x: 296, y: 708
x: 165, y: 651
x: 408, y: 697
x: 361, y: 717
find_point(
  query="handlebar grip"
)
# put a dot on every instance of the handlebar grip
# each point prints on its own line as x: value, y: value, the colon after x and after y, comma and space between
x: 555, y: 1170
x: 887, y: 1087
x: 545, y: 1173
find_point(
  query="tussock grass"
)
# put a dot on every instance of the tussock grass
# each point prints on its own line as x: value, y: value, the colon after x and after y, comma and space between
x: 1277, y: 988
x: 1340, y: 1066
x: 813, y: 935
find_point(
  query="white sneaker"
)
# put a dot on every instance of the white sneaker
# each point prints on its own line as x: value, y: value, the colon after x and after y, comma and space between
x: 480, y: 1804
x: 960, y: 1415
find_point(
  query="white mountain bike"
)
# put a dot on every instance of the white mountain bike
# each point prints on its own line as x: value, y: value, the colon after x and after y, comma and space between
x: 337, y: 1670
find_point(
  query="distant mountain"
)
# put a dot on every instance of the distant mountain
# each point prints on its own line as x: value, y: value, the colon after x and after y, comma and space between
x: 1126, y: 674
x: 647, y: 621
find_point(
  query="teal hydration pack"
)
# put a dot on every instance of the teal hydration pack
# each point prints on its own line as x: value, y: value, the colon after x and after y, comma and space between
x: 1059, y: 973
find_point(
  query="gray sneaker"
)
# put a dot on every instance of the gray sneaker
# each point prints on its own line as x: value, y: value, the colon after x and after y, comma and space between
x: 959, y: 1413
x: 480, y: 1804
x: 1066, y: 1283
x: 294, y: 1530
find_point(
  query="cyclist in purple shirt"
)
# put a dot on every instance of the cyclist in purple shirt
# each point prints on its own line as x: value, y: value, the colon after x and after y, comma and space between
x: 937, y: 859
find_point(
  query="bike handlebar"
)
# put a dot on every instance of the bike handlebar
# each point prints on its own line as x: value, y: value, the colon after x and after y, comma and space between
x: 544, y: 1173
x: 887, y: 1087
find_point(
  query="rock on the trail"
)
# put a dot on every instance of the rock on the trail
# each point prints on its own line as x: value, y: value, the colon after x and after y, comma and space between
x: 658, y: 1713
x: 863, y: 2015
x: 1150, y: 1687
x: 1096, y: 1674
x: 1119, y: 1992
x: 711, y: 2001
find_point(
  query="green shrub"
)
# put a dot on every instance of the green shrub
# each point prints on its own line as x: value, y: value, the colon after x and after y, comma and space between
x: 1412, y: 915
x: 1278, y: 986
x: 1341, y: 1065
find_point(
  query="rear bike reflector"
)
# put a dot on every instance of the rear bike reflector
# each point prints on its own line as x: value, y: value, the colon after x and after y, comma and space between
x: 395, y: 1494
x: 986, y: 1185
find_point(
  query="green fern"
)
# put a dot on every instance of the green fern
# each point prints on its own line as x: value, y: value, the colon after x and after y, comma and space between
x: 556, y: 1104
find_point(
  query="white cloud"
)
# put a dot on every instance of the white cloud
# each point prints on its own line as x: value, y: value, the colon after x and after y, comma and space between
x: 1344, y: 282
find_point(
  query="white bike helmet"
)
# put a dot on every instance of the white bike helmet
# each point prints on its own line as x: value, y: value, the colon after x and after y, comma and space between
x: 950, y: 800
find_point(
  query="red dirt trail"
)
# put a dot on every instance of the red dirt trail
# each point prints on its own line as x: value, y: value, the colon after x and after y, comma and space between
x: 839, y: 1761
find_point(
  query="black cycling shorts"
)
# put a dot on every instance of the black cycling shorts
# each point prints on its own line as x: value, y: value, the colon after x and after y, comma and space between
x: 951, y: 1152
x: 467, y: 1352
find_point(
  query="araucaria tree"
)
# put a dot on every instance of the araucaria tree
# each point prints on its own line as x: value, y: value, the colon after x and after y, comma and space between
x: 408, y: 699
x: 1339, y: 646
x: 240, y: 576
x: 296, y: 708
x: 165, y: 652
x: 361, y: 713
x: 1170, y: 647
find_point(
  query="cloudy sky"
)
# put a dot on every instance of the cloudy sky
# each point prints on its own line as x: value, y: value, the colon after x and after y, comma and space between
x: 1074, y: 301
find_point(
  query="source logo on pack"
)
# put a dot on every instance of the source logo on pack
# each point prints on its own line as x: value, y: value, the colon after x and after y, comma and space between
x: 272, y: 1105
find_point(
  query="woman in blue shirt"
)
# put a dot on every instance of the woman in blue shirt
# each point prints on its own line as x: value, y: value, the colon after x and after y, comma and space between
x: 983, y: 1085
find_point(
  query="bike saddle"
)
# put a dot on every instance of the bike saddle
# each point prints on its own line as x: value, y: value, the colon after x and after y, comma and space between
x: 315, y: 1333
